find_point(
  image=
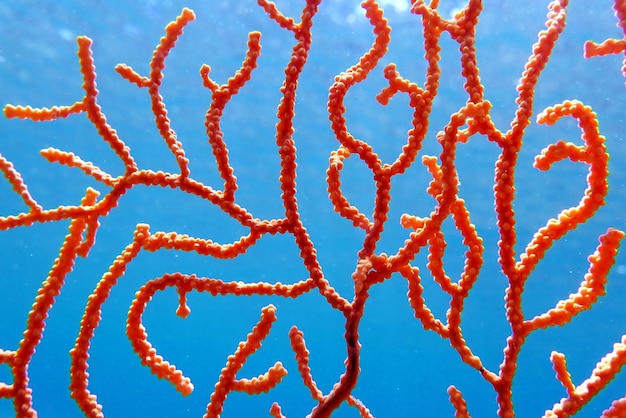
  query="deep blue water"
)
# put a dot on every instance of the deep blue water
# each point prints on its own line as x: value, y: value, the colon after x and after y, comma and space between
x: 405, y: 370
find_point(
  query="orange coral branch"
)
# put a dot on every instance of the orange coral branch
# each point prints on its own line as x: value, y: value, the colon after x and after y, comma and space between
x: 592, y: 287
x: 611, y: 46
x: 602, y: 374
x: 221, y: 96
x: 456, y: 399
x: 227, y: 381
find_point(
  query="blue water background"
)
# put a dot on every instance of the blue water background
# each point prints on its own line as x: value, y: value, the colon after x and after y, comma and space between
x: 405, y: 370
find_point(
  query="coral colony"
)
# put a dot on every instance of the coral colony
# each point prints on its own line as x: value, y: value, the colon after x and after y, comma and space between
x: 373, y: 267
